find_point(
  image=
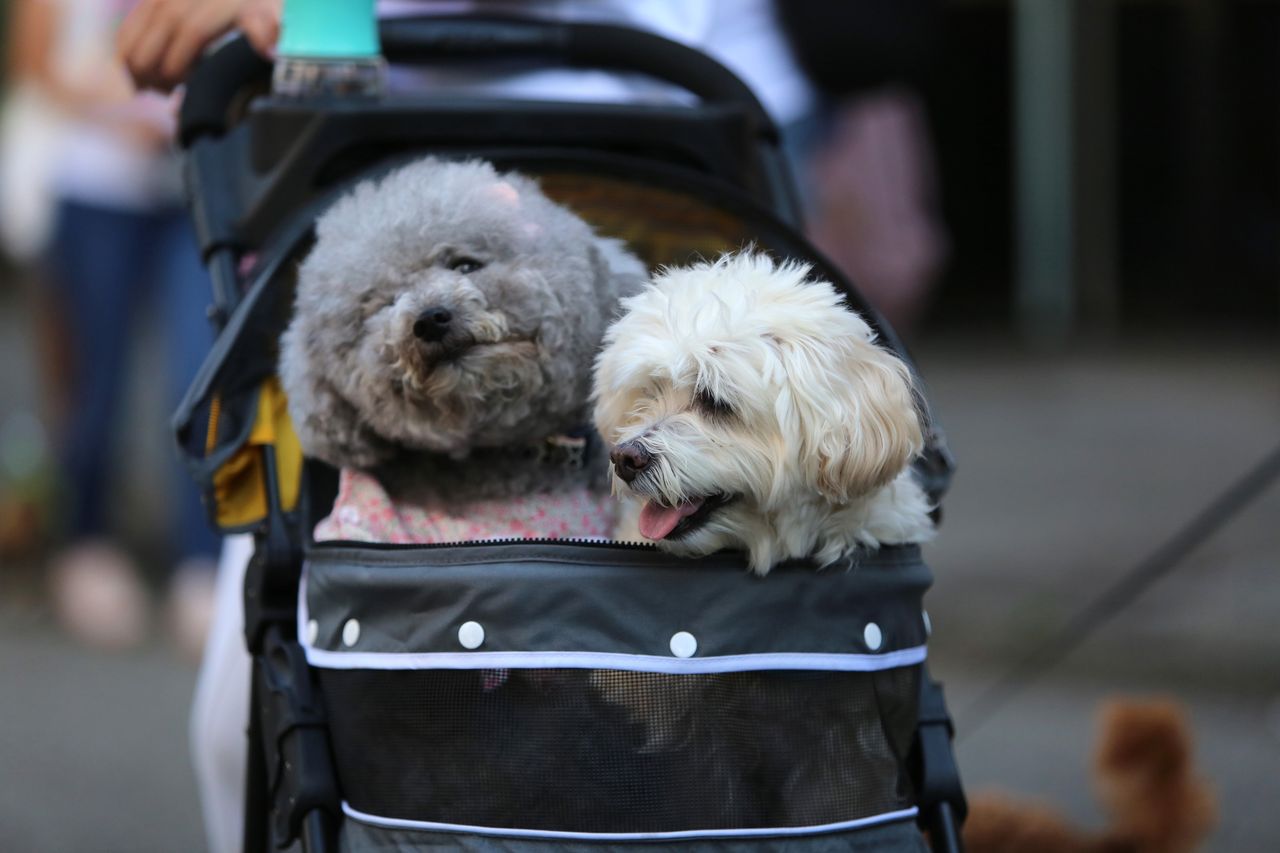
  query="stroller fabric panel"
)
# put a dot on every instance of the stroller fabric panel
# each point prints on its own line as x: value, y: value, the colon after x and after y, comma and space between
x: 604, y: 693
x: 553, y: 600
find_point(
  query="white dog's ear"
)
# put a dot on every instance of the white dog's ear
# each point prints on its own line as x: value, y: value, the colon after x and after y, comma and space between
x: 861, y: 427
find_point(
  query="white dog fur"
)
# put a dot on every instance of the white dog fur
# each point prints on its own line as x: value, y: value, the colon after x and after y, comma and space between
x: 749, y: 408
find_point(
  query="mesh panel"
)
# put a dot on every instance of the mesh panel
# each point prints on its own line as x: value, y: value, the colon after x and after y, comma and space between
x: 610, y: 751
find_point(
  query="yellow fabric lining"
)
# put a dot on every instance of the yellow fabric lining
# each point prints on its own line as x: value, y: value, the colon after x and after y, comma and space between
x: 239, y: 485
x: 662, y: 226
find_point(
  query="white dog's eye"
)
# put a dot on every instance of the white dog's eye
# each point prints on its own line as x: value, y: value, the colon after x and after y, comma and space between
x: 465, y: 264
x: 709, y: 404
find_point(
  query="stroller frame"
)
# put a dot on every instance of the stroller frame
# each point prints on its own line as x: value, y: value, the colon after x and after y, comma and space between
x: 253, y: 162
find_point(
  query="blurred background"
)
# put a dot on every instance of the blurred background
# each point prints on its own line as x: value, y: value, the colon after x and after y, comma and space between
x: 1070, y: 207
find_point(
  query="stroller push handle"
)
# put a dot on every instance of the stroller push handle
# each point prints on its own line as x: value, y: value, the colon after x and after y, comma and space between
x: 580, y: 45
x: 226, y: 75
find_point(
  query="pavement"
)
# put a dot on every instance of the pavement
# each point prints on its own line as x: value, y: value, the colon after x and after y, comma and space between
x: 93, y: 754
x: 1073, y: 468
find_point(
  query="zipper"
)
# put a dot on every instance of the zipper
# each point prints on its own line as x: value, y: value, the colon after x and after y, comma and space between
x: 612, y: 544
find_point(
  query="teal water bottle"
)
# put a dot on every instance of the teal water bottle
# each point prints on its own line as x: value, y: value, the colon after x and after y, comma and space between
x: 329, y: 47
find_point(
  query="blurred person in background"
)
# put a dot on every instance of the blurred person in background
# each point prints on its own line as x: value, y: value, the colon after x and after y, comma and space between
x: 119, y: 244
x: 864, y: 158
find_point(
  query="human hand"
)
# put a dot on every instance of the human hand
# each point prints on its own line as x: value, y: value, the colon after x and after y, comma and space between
x: 160, y: 40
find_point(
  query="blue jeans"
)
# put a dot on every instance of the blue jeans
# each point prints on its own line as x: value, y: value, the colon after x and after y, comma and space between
x: 109, y: 264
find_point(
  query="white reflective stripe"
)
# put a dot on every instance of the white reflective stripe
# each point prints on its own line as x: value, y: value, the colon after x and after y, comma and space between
x: 401, y: 823
x: 826, y: 662
x: 303, y: 616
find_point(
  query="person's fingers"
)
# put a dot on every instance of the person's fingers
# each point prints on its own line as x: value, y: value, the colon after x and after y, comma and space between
x: 187, y: 44
x: 260, y: 22
x: 145, y: 59
x: 160, y: 39
x: 165, y: 26
x: 136, y: 41
x: 134, y: 24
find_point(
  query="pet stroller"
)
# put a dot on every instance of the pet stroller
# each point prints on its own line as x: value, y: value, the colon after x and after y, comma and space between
x: 538, y: 695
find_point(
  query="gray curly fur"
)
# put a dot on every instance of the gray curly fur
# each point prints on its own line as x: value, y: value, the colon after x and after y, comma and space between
x: 453, y: 419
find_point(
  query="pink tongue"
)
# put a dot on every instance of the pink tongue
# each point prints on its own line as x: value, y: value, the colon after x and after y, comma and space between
x: 657, y: 521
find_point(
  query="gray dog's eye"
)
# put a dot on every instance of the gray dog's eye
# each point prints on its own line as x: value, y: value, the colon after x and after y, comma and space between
x: 711, y: 405
x: 465, y: 265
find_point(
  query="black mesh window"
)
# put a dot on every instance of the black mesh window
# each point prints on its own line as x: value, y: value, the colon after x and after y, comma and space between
x: 610, y: 751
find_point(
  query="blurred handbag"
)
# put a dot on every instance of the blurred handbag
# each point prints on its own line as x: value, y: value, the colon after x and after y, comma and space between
x: 30, y: 127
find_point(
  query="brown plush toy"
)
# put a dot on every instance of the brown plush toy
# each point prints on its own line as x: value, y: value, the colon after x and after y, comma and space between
x: 1156, y: 800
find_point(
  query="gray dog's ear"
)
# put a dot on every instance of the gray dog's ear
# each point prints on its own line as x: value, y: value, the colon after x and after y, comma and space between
x: 625, y: 272
x: 330, y: 430
x: 328, y: 427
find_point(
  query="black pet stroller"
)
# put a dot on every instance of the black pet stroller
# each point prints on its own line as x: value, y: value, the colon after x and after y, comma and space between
x: 468, y: 696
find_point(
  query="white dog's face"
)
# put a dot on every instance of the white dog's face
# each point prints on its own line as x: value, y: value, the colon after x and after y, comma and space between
x: 740, y: 398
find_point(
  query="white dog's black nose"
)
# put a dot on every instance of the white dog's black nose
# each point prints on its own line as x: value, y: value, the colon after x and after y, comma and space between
x: 433, y: 324
x: 629, y: 459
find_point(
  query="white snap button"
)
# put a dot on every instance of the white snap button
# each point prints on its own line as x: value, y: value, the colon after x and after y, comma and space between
x: 683, y: 644
x: 351, y: 633
x: 928, y: 626
x: 313, y: 631
x: 872, y: 636
x: 471, y: 635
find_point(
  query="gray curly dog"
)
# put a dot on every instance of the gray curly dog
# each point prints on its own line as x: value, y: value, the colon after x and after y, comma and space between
x: 445, y: 326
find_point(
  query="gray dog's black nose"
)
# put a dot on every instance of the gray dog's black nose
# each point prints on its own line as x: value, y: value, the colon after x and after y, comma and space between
x: 629, y: 459
x: 433, y: 324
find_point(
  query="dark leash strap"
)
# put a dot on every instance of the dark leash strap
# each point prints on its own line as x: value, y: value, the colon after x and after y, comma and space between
x: 1124, y: 591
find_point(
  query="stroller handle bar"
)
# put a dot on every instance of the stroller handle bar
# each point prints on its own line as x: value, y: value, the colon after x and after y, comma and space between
x: 221, y: 78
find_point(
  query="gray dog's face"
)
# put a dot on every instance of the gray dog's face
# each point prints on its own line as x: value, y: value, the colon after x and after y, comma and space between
x: 450, y: 308
x: 454, y: 340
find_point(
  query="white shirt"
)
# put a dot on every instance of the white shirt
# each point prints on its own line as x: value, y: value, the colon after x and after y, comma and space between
x: 95, y: 162
x: 744, y: 35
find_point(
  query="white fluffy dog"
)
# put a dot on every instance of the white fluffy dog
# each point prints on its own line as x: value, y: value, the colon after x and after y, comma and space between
x: 748, y: 407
